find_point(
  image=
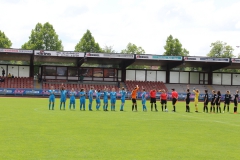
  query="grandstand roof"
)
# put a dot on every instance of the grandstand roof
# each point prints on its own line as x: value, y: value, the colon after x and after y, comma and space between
x: 119, y: 60
x: 14, y: 54
x: 207, y: 63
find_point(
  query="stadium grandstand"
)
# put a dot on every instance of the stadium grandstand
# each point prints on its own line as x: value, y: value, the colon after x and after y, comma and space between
x: 110, y: 70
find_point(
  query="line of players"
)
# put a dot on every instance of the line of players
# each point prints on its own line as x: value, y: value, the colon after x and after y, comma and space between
x: 216, y: 98
x: 113, y: 98
x: 83, y: 94
x: 215, y: 101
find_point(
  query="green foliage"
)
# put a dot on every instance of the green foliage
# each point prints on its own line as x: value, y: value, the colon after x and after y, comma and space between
x: 43, y: 37
x: 138, y: 67
x: 173, y: 47
x: 30, y: 131
x: 221, y: 49
x: 87, y: 44
x: 4, y: 41
x: 133, y: 49
x: 108, y: 49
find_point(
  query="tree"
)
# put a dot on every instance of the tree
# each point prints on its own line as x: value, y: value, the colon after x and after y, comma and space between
x: 4, y: 41
x: 221, y: 49
x: 43, y: 37
x: 133, y: 49
x: 108, y: 49
x: 87, y: 44
x: 173, y: 47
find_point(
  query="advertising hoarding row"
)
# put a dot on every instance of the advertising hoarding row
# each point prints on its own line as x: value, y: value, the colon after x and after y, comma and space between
x: 2, y: 50
x: 206, y: 59
x: 58, y: 53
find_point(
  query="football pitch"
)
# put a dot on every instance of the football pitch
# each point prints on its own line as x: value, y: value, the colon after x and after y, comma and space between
x: 30, y: 131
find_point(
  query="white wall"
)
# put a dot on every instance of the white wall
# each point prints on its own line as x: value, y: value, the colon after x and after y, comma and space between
x: 226, y: 79
x: 130, y: 75
x: 216, y: 78
x: 206, y: 78
x: 184, y: 77
x: 151, y: 75
x: 24, y: 71
x: 13, y: 70
x: 119, y: 75
x: 235, y: 79
x: 161, y: 76
x: 174, y: 77
x: 194, y: 77
x: 140, y: 75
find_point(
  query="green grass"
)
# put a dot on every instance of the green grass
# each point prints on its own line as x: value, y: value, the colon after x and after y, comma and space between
x: 28, y: 130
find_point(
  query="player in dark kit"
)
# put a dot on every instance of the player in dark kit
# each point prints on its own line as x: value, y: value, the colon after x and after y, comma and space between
x: 227, y: 100
x: 235, y: 102
x: 205, y: 108
x: 187, y: 99
x: 218, y: 100
x: 214, y: 97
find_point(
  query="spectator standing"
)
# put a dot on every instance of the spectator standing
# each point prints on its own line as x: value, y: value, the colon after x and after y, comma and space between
x: 3, y: 72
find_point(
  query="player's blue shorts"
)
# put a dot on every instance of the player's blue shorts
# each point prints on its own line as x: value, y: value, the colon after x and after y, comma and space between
x: 123, y: 100
x: 97, y: 100
x: 72, y: 100
x: 144, y: 102
x: 105, y: 100
x: 63, y: 100
x: 90, y: 100
x: 82, y: 101
x: 113, y: 101
x: 51, y: 99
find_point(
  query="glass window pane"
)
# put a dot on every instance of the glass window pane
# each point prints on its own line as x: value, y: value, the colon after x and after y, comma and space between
x: 49, y: 71
x: 62, y: 71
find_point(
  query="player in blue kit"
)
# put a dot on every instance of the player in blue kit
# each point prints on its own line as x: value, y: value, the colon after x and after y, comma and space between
x: 63, y: 97
x: 123, y: 93
x: 82, y: 99
x: 113, y: 97
x: 51, y: 98
x: 98, y: 101
x: 144, y: 95
x: 90, y: 97
x: 105, y: 99
x: 72, y: 99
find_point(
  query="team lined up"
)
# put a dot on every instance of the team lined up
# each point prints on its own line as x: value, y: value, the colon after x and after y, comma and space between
x: 215, y: 101
x: 163, y: 99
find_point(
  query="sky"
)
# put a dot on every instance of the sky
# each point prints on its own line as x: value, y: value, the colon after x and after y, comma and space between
x: 146, y: 23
